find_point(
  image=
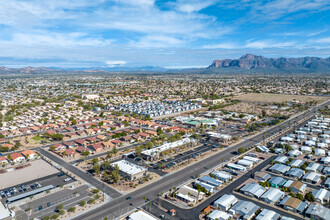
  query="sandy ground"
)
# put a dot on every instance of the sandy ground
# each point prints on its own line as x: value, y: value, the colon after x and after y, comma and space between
x: 253, y: 108
x: 267, y: 97
x: 38, y: 169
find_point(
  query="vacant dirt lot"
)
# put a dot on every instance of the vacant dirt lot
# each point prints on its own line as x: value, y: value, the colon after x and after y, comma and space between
x: 268, y: 98
x: 255, y: 109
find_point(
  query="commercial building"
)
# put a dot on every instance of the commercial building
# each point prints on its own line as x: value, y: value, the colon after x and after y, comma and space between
x: 153, y: 154
x: 225, y: 202
x: 130, y: 170
x: 223, y: 138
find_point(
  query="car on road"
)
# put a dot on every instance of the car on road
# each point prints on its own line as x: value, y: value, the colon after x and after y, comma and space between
x: 48, y: 204
x: 67, y: 179
x: 40, y: 207
x: 130, y: 197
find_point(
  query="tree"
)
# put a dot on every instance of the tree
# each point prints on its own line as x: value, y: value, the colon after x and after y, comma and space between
x: 138, y: 151
x: 60, y: 206
x: 97, y: 169
x: 309, y: 197
x: 109, y: 154
x: 241, y: 150
x: 95, y: 160
x: 91, y: 201
x: 9, y: 157
x: 105, y: 165
x: 114, y: 151
x: 86, y: 153
x: 299, y: 196
x: 72, y: 209
x: 52, y: 148
x: 46, y: 217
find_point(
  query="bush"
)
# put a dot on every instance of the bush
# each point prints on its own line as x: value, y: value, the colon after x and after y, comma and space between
x: 72, y: 209
x: 91, y: 201
x: 82, y: 203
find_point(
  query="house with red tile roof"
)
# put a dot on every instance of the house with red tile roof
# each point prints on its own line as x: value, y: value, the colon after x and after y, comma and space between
x: 70, y: 153
x: 116, y: 142
x: 96, y: 147
x: 82, y: 149
x: 3, y: 160
x: 17, y: 157
x: 59, y: 147
x: 29, y: 154
x: 81, y: 142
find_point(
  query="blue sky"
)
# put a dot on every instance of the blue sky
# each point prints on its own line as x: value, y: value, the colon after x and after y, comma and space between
x: 172, y: 34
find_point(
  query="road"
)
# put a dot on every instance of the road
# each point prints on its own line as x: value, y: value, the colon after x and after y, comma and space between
x: 86, y: 177
x: 114, y: 208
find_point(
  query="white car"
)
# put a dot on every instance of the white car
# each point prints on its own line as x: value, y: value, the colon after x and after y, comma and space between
x: 67, y: 179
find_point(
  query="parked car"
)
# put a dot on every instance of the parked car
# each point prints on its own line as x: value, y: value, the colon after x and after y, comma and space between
x: 67, y: 179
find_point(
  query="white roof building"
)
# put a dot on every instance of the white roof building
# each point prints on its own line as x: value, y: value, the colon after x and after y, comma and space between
x: 219, y: 215
x: 167, y: 146
x: 272, y: 195
x: 267, y: 214
x: 225, y: 202
x: 141, y: 215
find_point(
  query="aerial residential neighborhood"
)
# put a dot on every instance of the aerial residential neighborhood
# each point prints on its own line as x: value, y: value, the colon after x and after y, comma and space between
x: 154, y: 109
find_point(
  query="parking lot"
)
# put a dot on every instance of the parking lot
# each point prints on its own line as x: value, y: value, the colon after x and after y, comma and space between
x: 56, y: 180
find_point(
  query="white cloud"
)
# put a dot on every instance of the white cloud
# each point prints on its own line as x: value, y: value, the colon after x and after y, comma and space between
x: 221, y: 46
x: 260, y: 44
x: 114, y: 63
x: 192, y: 5
x: 325, y: 40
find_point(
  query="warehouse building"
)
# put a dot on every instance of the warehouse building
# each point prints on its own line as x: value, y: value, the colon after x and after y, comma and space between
x: 130, y: 170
